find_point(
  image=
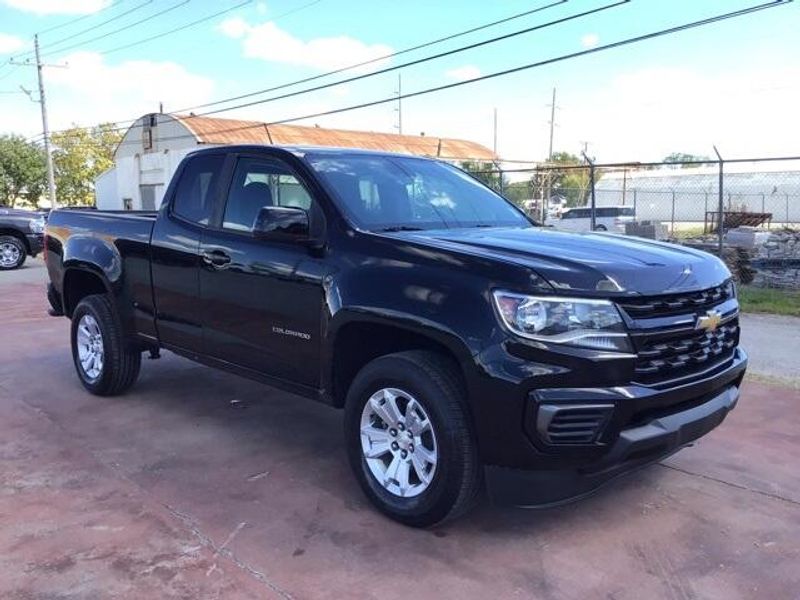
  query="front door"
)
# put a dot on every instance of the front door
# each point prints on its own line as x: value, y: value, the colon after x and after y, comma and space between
x: 262, y: 300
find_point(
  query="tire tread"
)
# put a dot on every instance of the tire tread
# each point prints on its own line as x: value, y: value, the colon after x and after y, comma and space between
x: 122, y: 363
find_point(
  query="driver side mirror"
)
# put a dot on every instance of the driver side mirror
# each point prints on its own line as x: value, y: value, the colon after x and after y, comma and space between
x: 281, y: 223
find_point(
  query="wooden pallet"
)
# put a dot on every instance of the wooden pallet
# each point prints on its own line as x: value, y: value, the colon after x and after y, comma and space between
x: 734, y: 219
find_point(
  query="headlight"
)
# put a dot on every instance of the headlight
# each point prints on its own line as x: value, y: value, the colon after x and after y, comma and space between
x: 36, y: 225
x: 574, y: 321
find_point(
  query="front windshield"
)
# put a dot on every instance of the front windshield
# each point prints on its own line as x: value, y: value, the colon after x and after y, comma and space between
x: 404, y: 193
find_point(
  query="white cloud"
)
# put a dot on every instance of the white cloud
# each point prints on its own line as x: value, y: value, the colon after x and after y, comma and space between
x: 648, y: 113
x: 269, y: 42
x: 58, y: 7
x: 9, y: 43
x: 92, y: 91
x: 464, y: 73
x: 590, y: 40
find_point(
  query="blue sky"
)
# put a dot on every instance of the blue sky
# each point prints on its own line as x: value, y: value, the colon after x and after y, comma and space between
x: 736, y: 83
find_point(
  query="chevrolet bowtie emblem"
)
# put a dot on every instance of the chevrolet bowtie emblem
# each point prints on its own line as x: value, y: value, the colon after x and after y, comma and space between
x: 709, y: 321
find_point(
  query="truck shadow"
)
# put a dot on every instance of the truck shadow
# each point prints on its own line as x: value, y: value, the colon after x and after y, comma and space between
x: 260, y: 431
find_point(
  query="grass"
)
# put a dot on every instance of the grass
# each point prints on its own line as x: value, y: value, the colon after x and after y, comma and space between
x: 760, y: 300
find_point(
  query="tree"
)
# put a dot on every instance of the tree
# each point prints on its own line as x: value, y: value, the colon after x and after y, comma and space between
x: 566, y: 176
x: 485, y: 172
x: 22, y: 171
x: 683, y: 157
x: 80, y: 155
x: 518, y: 192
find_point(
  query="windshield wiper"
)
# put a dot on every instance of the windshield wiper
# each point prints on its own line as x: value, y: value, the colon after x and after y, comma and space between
x: 402, y: 228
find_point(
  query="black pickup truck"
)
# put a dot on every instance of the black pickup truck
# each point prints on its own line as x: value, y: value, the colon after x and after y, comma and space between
x: 469, y: 348
x: 21, y: 235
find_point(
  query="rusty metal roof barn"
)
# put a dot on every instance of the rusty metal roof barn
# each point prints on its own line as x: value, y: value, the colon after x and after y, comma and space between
x: 212, y: 130
x: 154, y: 145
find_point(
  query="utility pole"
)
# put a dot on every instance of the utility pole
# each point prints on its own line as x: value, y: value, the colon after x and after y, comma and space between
x: 51, y: 183
x: 549, y: 191
x: 494, y: 147
x: 552, y: 125
x: 399, y: 108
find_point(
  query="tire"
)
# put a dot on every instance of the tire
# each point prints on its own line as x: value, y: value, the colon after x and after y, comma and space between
x: 454, y: 480
x: 601, y: 228
x: 12, y: 252
x: 119, y: 362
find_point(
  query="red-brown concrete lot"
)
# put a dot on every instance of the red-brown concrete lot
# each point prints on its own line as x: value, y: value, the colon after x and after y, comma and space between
x: 198, y: 484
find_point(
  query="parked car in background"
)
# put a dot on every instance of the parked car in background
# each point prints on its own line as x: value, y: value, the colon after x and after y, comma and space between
x: 607, y: 218
x: 21, y: 235
x: 467, y: 346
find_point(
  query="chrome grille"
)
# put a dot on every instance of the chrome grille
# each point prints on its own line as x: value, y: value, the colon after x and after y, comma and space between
x: 674, y: 304
x: 668, y: 355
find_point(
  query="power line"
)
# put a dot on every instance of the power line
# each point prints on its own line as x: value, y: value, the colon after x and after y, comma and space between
x: 88, y: 29
x: 378, y: 58
x: 49, y: 47
x: 127, y: 122
x: 187, y: 26
x: 564, y: 57
x: 82, y: 17
x: 121, y: 29
x: 625, y: 42
x: 424, y: 59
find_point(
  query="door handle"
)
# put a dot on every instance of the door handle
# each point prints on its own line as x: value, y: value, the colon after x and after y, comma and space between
x: 215, y: 258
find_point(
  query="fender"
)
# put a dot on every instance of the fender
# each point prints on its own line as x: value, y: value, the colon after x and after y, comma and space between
x: 94, y: 254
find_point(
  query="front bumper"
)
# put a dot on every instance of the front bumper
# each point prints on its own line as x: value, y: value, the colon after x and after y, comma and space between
x: 35, y: 242
x: 677, y: 417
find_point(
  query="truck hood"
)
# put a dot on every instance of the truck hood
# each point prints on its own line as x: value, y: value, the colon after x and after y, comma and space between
x: 588, y: 262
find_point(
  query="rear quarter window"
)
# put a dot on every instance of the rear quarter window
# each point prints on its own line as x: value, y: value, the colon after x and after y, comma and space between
x: 196, y: 190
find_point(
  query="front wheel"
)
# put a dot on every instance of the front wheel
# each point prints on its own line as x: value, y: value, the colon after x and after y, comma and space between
x: 106, y: 363
x: 12, y: 253
x: 409, y: 438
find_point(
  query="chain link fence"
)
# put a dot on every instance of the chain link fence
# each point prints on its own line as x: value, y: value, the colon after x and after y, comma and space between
x: 686, y: 197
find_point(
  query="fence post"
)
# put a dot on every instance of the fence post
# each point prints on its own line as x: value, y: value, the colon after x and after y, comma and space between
x: 786, y: 225
x: 721, y: 207
x: 634, y: 205
x: 672, y: 222
x: 591, y: 183
x: 705, y: 208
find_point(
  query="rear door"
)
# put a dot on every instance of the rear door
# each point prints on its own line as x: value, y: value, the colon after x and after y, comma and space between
x: 175, y: 250
x: 262, y: 300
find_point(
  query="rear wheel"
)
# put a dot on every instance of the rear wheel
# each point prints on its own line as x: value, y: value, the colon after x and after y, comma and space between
x: 409, y: 438
x: 12, y: 253
x: 601, y: 228
x: 106, y: 363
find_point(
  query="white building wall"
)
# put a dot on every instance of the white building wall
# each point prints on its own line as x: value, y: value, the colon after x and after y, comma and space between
x: 135, y: 166
x: 105, y: 189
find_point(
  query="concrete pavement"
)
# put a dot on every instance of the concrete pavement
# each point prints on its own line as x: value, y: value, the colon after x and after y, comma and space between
x: 199, y: 484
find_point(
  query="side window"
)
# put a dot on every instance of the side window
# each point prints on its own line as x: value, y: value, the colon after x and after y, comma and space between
x: 259, y: 183
x: 194, y: 196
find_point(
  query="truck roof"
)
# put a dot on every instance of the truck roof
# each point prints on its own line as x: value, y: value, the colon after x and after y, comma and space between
x: 302, y: 150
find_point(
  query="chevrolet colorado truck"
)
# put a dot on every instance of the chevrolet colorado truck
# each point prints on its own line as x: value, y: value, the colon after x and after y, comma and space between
x: 469, y: 348
x: 21, y: 235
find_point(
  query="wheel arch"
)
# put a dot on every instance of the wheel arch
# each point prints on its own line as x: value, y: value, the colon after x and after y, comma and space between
x: 17, y: 234
x: 81, y: 281
x: 354, y: 342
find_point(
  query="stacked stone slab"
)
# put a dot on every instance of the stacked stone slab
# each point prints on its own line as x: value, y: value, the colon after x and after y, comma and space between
x: 778, y: 261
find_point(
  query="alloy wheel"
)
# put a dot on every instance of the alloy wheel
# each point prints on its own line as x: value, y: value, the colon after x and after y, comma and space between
x: 90, y: 347
x: 398, y: 442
